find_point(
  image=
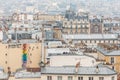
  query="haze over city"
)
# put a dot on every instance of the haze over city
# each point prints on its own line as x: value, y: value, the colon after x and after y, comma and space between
x: 96, y: 7
x: 59, y: 39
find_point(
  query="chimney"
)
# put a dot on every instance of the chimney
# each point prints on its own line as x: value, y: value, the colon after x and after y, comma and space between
x: 97, y: 69
x: 77, y: 67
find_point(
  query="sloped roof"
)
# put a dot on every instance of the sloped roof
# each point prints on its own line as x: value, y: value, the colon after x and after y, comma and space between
x: 90, y: 36
x: 81, y: 71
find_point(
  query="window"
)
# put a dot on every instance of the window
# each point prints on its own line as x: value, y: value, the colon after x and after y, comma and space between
x: 31, y: 62
x: 104, y: 41
x: 49, y: 77
x: 90, y: 78
x: 37, y: 47
x: 70, y: 78
x: 96, y: 29
x: 59, y: 78
x: 5, y: 62
x: 6, y: 54
x: 80, y: 78
x: 113, y: 78
x: 95, y: 41
x: 81, y: 31
x: 112, y: 60
x: 90, y: 41
x: 29, y: 47
x: 101, y: 78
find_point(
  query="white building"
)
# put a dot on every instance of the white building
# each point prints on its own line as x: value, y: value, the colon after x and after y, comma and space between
x: 65, y: 67
x: 83, y: 73
x: 71, y: 60
x: 51, y: 51
x: 54, y: 43
x: 92, y: 39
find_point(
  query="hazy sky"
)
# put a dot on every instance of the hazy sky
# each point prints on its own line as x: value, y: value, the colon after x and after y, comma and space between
x: 97, y: 6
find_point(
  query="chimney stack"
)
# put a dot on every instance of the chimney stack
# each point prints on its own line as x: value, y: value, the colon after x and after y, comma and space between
x: 97, y: 69
x: 77, y: 67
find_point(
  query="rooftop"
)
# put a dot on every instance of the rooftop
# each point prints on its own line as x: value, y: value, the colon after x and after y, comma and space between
x: 24, y: 74
x: 109, y: 53
x: 20, y: 41
x: 2, y: 74
x: 90, y: 36
x: 81, y: 71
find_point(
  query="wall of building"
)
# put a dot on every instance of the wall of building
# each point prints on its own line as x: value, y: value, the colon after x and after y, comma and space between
x: 13, y: 78
x: 116, y: 63
x: 100, y: 56
x: 57, y: 34
x: 75, y: 77
x: 76, y: 27
x: 95, y: 42
x: 48, y: 17
x: 11, y: 56
x: 107, y: 59
x: 71, y: 60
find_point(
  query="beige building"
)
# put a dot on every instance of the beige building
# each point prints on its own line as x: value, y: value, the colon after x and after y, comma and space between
x: 76, y: 23
x: 11, y: 55
x: 110, y: 54
x: 47, y: 17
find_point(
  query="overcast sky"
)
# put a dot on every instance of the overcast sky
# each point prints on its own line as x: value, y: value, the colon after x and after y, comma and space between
x: 100, y: 6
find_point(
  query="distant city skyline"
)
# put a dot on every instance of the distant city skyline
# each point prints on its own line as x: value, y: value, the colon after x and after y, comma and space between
x: 98, y: 7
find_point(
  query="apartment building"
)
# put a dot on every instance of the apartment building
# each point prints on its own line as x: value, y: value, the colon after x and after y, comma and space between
x: 76, y: 23
x: 83, y: 73
x: 109, y: 53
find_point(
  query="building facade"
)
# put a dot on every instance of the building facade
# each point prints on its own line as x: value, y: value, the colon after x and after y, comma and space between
x: 11, y: 56
x: 110, y: 55
x: 69, y: 73
x: 76, y: 23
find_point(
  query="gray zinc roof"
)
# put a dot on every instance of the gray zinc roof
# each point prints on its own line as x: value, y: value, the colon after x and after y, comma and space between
x: 109, y: 53
x: 114, y: 53
x: 90, y: 36
x: 3, y: 75
x: 28, y: 75
x: 81, y: 71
